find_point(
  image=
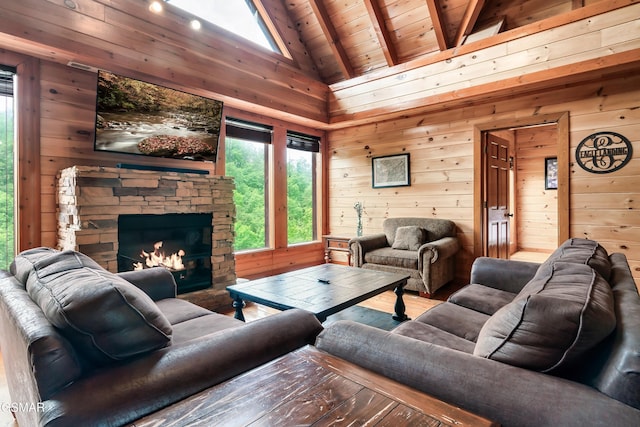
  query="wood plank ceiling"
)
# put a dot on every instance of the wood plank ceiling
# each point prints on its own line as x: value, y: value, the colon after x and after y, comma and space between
x: 350, y: 38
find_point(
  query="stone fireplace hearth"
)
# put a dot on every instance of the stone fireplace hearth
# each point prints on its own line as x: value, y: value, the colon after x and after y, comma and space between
x: 91, y: 199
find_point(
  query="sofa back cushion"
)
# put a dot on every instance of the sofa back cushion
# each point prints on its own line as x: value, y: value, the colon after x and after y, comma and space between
x: 434, y: 228
x: 106, y: 318
x: 566, y: 310
x: 583, y: 251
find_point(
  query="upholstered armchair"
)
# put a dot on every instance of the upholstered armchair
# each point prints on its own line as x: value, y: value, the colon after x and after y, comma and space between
x: 424, y: 248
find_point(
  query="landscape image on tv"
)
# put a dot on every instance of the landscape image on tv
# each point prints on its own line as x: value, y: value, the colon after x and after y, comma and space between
x: 142, y: 118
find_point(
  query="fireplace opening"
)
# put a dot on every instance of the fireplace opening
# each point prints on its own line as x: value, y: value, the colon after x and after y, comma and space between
x: 179, y: 242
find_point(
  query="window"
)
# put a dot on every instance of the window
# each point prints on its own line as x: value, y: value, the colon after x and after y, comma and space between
x: 7, y: 209
x: 238, y: 16
x: 247, y: 161
x: 301, y: 187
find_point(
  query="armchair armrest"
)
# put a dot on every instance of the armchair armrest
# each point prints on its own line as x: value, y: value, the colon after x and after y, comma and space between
x: 506, y: 394
x: 441, y: 248
x: 156, y: 282
x: 363, y: 244
x: 506, y: 275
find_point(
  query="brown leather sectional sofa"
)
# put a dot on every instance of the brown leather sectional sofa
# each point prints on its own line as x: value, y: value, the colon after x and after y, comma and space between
x: 525, y: 344
x: 123, y: 345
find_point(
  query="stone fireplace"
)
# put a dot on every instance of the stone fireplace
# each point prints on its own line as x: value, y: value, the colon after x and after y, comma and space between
x: 167, y: 208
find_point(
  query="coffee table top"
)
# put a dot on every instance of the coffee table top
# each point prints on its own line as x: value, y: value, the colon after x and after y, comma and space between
x: 310, y: 387
x: 323, y: 289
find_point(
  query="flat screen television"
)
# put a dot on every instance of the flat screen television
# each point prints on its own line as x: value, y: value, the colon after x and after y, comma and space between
x: 141, y: 118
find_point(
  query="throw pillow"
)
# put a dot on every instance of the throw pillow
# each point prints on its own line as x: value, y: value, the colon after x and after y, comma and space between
x: 105, y: 317
x: 567, y: 310
x: 409, y: 238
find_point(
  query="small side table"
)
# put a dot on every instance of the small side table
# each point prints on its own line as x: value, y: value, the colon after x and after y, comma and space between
x: 338, y: 244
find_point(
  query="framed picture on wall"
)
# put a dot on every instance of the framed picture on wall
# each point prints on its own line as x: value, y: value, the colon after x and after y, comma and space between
x: 391, y: 171
x: 551, y: 173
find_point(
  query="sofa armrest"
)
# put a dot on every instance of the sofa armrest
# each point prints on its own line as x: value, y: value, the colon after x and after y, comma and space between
x: 363, y: 244
x: 438, y: 249
x: 156, y: 282
x: 506, y: 394
x: 506, y: 275
x: 126, y: 392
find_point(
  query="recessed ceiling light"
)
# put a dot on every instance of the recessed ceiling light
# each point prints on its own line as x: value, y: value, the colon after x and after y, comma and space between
x: 195, y: 24
x: 70, y: 4
x: 155, y: 7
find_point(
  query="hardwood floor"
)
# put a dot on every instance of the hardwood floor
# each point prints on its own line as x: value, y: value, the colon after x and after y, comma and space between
x: 530, y: 256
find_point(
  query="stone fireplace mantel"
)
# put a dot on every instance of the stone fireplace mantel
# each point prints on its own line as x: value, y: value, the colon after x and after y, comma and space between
x: 91, y: 198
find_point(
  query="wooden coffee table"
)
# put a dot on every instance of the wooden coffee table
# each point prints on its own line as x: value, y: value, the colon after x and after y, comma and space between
x: 323, y: 290
x: 311, y: 387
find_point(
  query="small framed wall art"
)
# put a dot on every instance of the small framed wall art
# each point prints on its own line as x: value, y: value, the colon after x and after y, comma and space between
x: 551, y: 173
x: 391, y: 171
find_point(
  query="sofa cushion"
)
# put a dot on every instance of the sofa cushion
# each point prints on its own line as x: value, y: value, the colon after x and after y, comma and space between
x: 567, y: 309
x: 454, y: 319
x: 393, y: 257
x: 105, y: 317
x: 484, y: 299
x: 434, y: 335
x: 583, y: 251
x: 409, y: 238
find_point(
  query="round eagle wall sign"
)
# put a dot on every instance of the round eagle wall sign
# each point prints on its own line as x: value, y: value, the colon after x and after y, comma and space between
x: 603, y: 152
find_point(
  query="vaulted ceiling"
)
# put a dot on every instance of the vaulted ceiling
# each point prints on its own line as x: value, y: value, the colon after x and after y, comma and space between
x: 346, y: 61
x: 343, y: 39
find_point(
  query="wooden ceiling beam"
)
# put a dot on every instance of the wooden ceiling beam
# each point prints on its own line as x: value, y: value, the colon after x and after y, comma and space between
x: 438, y: 24
x: 469, y: 20
x: 384, y: 38
x: 332, y: 36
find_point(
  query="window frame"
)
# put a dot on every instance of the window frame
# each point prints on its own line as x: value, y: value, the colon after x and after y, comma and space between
x: 312, y: 144
x: 278, y: 221
x: 257, y: 133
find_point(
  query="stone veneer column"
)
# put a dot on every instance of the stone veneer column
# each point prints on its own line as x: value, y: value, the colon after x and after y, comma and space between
x: 90, y: 199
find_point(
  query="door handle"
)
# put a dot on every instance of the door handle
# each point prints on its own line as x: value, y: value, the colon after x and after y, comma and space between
x: 508, y: 215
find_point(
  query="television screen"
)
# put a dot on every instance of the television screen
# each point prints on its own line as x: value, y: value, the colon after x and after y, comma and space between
x: 143, y: 118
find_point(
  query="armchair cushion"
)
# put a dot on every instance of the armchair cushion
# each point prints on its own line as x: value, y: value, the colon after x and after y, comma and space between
x: 105, y: 317
x: 393, y: 258
x: 409, y: 237
x: 564, y: 311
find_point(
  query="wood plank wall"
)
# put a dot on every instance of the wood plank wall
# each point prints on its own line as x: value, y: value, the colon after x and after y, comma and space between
x: 602, y: 207
x: 67, y: 103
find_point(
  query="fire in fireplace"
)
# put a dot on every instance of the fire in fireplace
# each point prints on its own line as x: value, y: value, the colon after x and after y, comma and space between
x: 178, y: 242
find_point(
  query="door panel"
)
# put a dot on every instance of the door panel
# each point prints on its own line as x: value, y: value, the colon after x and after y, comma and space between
x: 497, y: 196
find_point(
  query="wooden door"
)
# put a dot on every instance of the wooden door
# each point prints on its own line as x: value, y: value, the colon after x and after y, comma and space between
x: 497, y: 197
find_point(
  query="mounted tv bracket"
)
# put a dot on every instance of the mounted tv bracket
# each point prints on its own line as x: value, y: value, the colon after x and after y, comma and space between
x: 604, y: 152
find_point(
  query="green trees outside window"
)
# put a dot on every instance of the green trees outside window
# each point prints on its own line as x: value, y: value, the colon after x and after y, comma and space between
x: 300, y: 196
x: 7, y: 238
x: 246, y: 162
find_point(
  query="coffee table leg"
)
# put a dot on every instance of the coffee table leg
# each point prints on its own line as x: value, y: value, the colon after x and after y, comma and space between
x: 238, y: 304
x: 399, y: 307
